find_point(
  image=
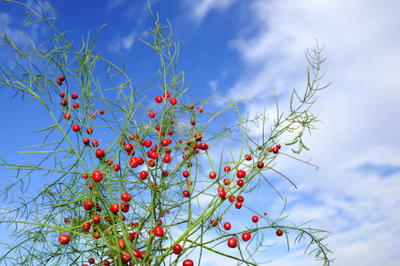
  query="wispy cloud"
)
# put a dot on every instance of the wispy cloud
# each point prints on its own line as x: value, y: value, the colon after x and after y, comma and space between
x: 201, y: 8
x: 360, y: 113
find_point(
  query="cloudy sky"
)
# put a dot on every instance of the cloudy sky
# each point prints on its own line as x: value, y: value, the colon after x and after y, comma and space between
x: 241, y: 49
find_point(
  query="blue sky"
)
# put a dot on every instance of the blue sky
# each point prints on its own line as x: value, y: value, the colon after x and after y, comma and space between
x: 241, y: 49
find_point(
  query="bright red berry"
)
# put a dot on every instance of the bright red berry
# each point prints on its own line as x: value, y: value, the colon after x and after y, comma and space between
x: 227, y: 226
x: 158, y: 231
x: 62, y: 94
x: 114, y: 208
x: 232, y: 242
x: 67, y: 116
x: 100, y: 153
x: 143, y: 174
x: 88, y: 205
x: 158, y: 99
x: 89, y: 130
x: 279, y: 232
x: 177, y: 249
x: 227, y: 168
x: 64, y: 239
x: 76, y: 127
x: 188, y: 262
x: 101, y: 112
x: 260, y: 165
x: 96, y: 219
x: 186, y: 193
x: 74, y: 96
x: 275, y: 150
x: 97, y: 176
x: 173, y: 101
x: 212, y: 175
x: 246, y: 236
x: 241, y: 174
x: 116, y: 167
x: 240, y: 183
x: 86, y: 141
x: 126, y: 197
x: 254, y: 219
x: 186, y: 174
x: 95, y: 143
x: 62, y: 78
x: 167, y: 95
x: 76, y: 105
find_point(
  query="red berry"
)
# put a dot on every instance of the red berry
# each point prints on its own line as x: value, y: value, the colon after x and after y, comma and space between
x: 116, y: 167
x: 74, y: 96
x: 240, y: 198
x: 227, y: 226
x: 86, y: 226
x: 64, y: 239
x: 59, y: 82
x: 167, y: 159
x: 91, y: 115
x: 143, y: 175
x: 114, y: 208
x: 125, y: 207
x: 260, y: 165
x: 76, y: 127
x: 95, y: 143
x: 66, y: 220
x: 248, y: 157
x: 241, y: 174
x: 214, y: 223
x: 186, y: 193
x: 232, y: 242
x: 76, y: 105
x: 67, y: 116
x: 100, y: 153
x: 246, y: 236
x: 88, y: 205
x: 125, y: 257
x: 101, y: 112
x: 212, y: 175
x: 91, y: 186
x: 128, y: 147
x: 222, y: 194
x: 109, y: 162
x: 167, y: 95
x: 238, y: 205
x: 85, y: 176
x: 106, y: 262
x: 188, y: 262
x: 177, y: 249
x: 186, y: 174
x: 62, y: 78
x: 227, y: 181
x: 86, y: 141
x: 240, y: 183
x: 254, y: 219
x: 96, y: 219
x: 173, y: 101
x: 279, y: 232
x: 158, y: 99
x: 231, y: 198
x: 121, y: 244
x: 91, y: 260
x: 89, y: 130
x: 152, y: 114
x: 275, y: 150
x: 97, y: 176
x: 158, y: 231
x: 278, y: 146
x: 96, y: 235
x: 227, y: 168
x: 64, y: 102
x: 62, y: 94
x: 126, y: 197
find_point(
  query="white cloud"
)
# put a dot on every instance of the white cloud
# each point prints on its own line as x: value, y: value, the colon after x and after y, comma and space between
x: 360, y: 113
x: 126, y: 42
x: 200, y: 9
